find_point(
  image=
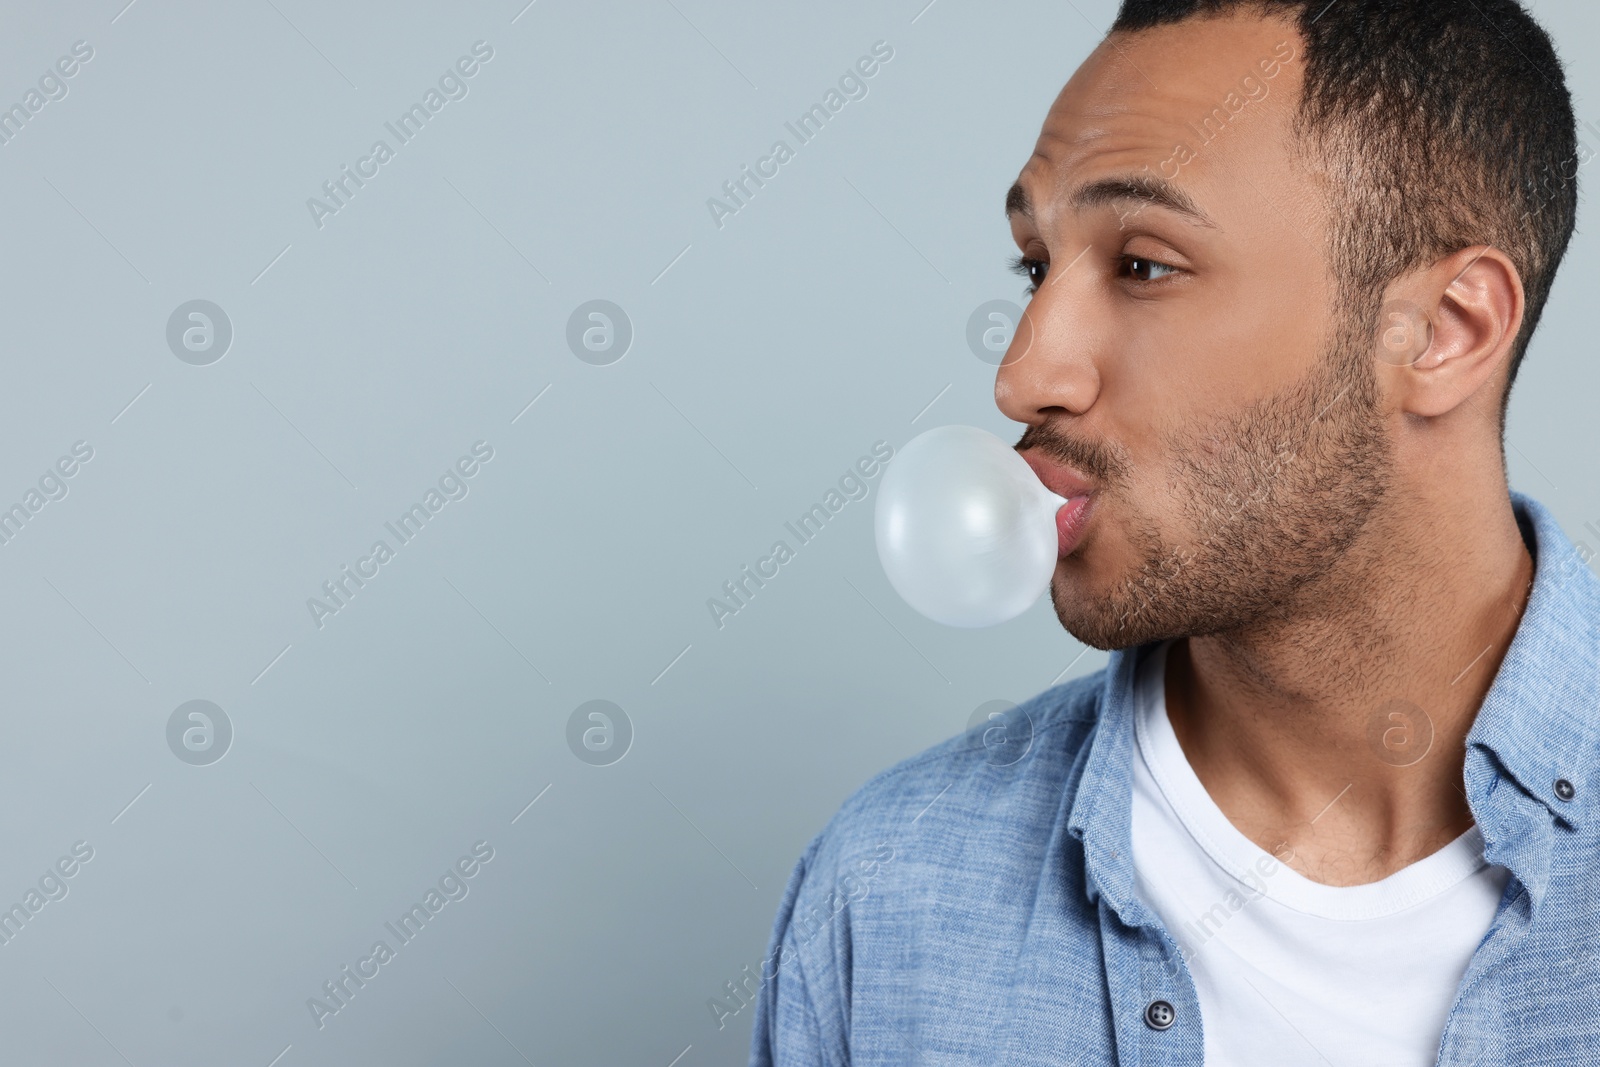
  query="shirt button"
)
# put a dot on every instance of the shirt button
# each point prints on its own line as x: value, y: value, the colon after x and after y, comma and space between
x: 1159, y: 1015
x: 1565, y: 789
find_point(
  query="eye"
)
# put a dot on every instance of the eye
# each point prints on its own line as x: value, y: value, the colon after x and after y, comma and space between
x: 1141, y: 269
x: 1034, y: 270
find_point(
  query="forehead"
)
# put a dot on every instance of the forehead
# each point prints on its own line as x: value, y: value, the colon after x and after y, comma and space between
x: 1206, y: 103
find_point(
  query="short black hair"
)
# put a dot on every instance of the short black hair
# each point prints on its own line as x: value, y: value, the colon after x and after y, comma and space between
x: 1448, y: 124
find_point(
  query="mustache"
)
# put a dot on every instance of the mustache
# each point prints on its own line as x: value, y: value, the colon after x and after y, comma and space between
x: 1095, y: 461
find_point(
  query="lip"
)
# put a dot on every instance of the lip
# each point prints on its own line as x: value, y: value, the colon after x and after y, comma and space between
x: 1072, y: 518
x: 1072, y: 522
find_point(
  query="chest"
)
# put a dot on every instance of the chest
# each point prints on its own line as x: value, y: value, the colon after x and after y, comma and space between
x: 1022, y: 968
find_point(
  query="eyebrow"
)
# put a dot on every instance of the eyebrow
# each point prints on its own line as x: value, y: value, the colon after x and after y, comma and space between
x: 1148, y: 188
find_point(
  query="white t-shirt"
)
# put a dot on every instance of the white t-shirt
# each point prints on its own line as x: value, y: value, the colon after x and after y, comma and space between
x: 1291, y: 971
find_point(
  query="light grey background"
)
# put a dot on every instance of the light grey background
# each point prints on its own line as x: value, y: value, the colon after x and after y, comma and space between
x: 768, y: 354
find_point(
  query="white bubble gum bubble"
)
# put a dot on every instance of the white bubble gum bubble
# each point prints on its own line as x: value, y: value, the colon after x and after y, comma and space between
x: 965, y: 530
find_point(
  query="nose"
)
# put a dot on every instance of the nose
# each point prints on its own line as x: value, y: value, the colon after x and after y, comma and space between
x: 1050, y: 367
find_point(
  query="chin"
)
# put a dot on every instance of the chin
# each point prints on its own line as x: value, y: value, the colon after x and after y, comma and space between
x: 1108, y: 613
x: 1094, y: 620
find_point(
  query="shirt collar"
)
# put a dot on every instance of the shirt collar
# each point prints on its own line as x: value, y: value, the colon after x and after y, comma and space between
x: 1102, y: 807
x: 1538, y: 720
x: 1541, y: 717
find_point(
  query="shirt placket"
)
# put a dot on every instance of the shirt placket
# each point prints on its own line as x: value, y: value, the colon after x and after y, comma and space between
x: 1155, y: 1006
x: 1519, y: 836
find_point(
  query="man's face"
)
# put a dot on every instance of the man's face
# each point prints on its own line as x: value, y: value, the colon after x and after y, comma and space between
x: 1191, y: 371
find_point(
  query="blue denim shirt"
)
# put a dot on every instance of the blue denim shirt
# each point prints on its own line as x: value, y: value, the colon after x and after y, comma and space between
x: 976, y: 904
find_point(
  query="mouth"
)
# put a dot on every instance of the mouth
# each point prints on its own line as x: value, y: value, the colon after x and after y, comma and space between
x: 1072, y: 523
x: 1072, y: 518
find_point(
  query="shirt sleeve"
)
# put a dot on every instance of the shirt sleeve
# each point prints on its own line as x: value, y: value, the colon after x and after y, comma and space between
x: 788, y: 1031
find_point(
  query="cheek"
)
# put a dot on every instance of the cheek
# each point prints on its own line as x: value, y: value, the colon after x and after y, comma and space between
x: 1226, y: 354
x: 1175, y: 464
x: 1163, y: 495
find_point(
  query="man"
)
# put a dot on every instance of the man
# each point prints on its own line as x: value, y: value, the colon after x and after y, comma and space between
x: 1333, y: 800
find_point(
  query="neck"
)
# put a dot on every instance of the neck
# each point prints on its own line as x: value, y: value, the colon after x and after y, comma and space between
x: 1337, y: 727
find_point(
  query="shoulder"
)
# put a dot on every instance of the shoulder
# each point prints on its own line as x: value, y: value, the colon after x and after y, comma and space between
x: 935, y: 836
x: 1012, y: 769
x: 922, y: 869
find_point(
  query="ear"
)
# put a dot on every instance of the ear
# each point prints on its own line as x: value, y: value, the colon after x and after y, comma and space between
x: 1447, y: 332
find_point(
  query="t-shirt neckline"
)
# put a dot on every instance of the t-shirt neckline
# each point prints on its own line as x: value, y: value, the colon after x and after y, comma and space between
x: 1253, y: 866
